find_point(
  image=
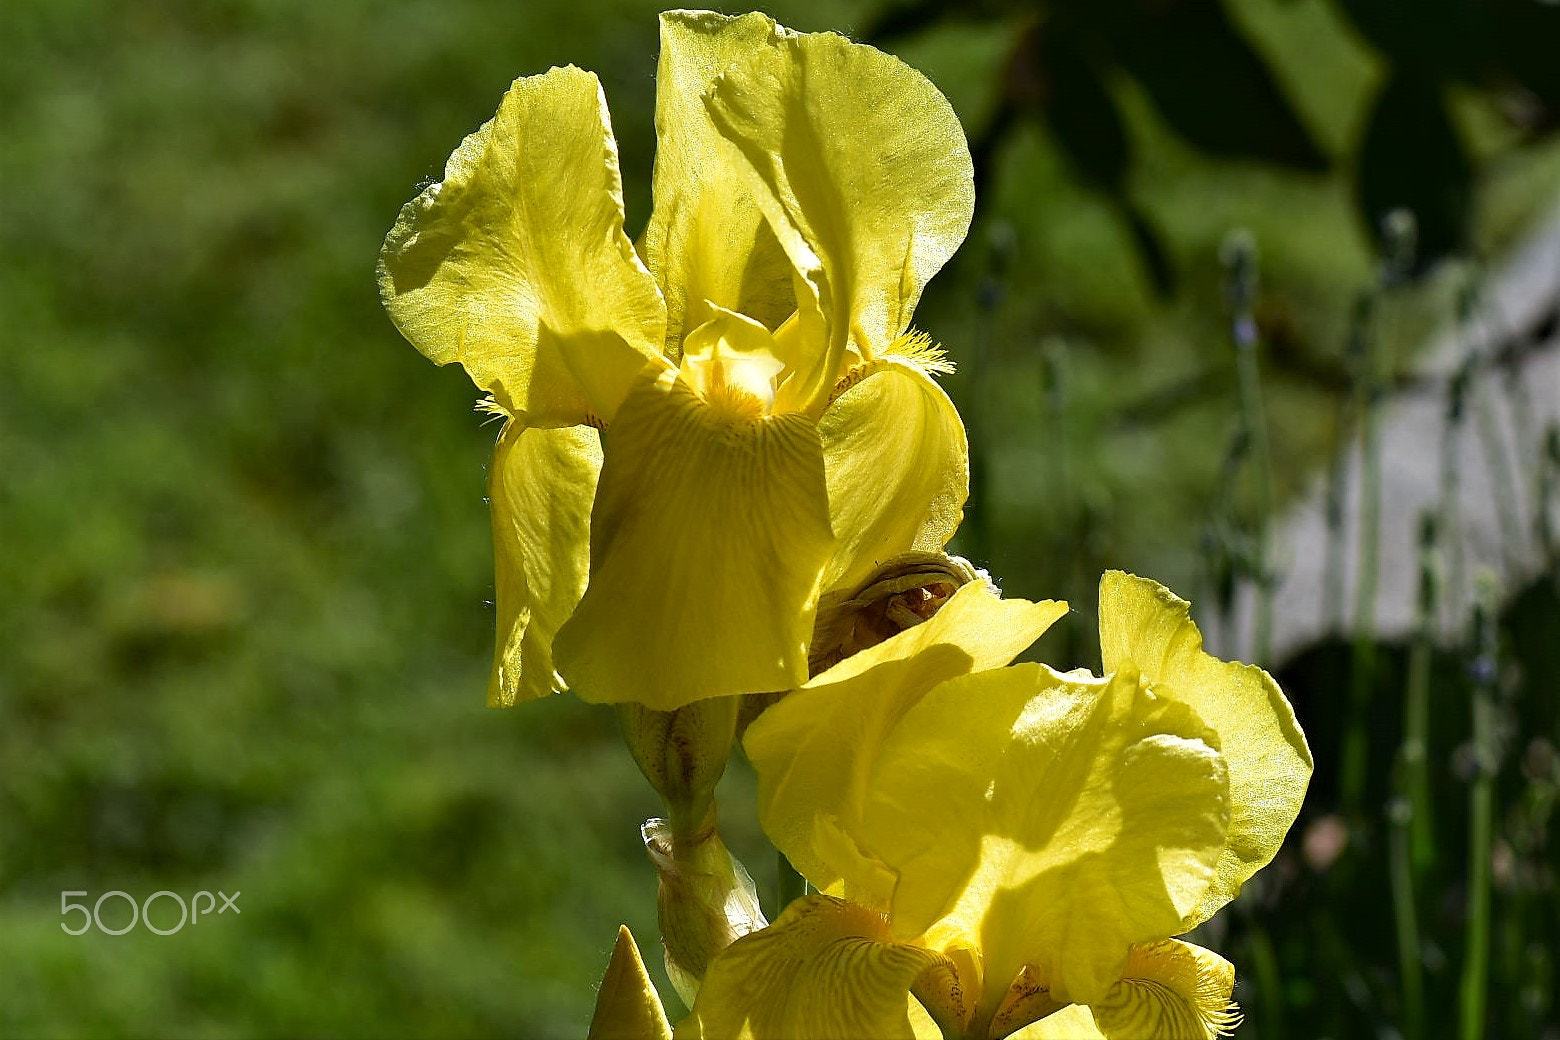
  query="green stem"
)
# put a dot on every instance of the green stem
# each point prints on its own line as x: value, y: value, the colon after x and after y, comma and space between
x: 1405, y: 919
x: 1240, y: 258
x: 1473, y: 992
x: 789, y: 884
x: 1416, y: 715
x: 1362, y: 671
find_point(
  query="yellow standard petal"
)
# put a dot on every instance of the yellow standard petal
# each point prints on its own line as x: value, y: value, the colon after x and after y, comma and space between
x: 825, y: 970
x: 865, y: 175
x: 1050, y: 820
x: 627, y: 1005
x: 516, y: 266
x: 814, y: 751
x: 540, y: 487
x: 1146, y: 627
x: 708, y: 539
x: 1171, y: 990
x: 707, y: 240
x: 897, y: 463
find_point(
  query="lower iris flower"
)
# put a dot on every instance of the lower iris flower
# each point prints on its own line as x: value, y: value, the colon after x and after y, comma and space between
x: 1015, y: 846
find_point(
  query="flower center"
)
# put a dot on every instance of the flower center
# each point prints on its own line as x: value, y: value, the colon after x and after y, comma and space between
x: 730, y: 362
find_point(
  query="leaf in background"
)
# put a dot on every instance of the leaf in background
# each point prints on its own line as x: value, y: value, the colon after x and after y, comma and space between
x: 1211, y: 86
x: 1087, y: 125
x: 1412, y: 158
x: 1439, y: 38
x: 1525, y: 38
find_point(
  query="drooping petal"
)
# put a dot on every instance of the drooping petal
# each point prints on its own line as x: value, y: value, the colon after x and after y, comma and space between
x: 1145, y: 626
x: 540, y: 487
x: 627, y: 1005
x: 708, y: 539
x: 825, y: 970
x: 1172, y: 990
x: 866, y: 175
x: 815, y: 750
x: 707, y: 238
x: 897, y: 463
x: 1054, y: 820
x: 516, y: 264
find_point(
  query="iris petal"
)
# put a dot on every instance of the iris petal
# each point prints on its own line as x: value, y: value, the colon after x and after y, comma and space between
x: 814, y: 750
x: 1145, y: 626
x: 707, y: 239
x: 825, y: 970
x: 540, y: 487
x: 1076, y: 816
x: 897, y: 463
x: 516, y: 266
x: 1171, y: 991
x: 866, y: 179
x: 708, y: 539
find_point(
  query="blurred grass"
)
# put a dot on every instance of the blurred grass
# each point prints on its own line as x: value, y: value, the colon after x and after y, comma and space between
x: 243, y: 549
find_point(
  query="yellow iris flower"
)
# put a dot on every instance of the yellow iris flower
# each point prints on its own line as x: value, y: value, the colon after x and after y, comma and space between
x: 1015, y: 846
x: 769, y: 427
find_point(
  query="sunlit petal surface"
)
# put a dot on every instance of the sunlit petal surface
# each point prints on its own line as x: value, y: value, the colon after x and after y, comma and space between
x: 708, y: 540
x: 815, y: 750
x: 825, y: 970
x: 1146, y: 627
x: 866, y: 178
x: 1171, y: 991
x: 897, y: 464
x: 516, y: 265
x: 707, y: 239
x: 541, y: 484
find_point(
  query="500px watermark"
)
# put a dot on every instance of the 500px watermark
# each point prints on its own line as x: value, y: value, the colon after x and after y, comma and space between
x: 189, y: 913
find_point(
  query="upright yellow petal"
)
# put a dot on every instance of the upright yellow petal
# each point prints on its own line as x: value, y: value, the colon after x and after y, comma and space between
x: 897, y: 463
x: 1054, y: 820
x: 1146, y: 627
x: 866, y: 178
x: 540, y: 487
x: 516, y: 264
x: 627, y: 1005
x: 1071, y: 1023
x: 815, y: 750
x: 825, y: 970
x: 707, y: 543
x: 707, y: 240
x: 1171, y: 990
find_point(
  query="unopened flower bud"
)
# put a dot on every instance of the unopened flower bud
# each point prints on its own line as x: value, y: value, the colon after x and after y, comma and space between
x: 903, y: 592
x: 683, y: 752
x: 705, y: 900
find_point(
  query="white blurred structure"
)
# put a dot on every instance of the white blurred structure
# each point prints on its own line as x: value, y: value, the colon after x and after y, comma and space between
x: 1498, y: 455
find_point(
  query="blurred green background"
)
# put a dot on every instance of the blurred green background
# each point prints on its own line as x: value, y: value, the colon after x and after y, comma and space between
x: 245, y: 567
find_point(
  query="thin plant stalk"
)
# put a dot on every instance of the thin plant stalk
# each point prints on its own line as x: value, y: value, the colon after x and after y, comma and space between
x: 1362, y: 661
x: 1415, y: 753
x: 789, y: 884
x: 1338, y: 471
x: 1473, y: 992
x: 1548, y: 483
x: 1451, y: 495
x: 1408, y: 813
x: 1405, y: 918
x: 1240, y: 259
x: 1399, y: 236
x: 1495, y: 457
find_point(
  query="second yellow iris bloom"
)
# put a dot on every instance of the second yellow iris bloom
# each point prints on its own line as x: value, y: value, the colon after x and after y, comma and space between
x: 1017, y: 847
x: 768, y: 425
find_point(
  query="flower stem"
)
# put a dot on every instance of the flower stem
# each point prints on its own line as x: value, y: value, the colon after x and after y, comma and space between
x: 1473, y: 992
x: 1240, y: 259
